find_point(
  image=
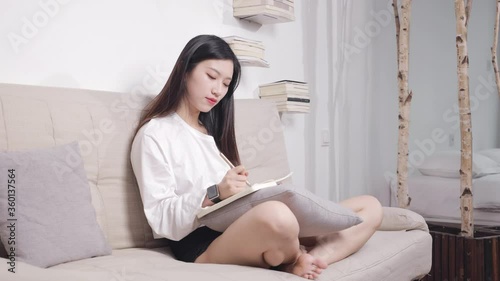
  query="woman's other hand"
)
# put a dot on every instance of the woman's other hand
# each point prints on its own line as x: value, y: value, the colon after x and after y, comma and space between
x: 233, y: 182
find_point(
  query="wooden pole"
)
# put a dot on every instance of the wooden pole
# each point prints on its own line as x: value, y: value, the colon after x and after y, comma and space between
x: 405, y: 95
x: 466, y: 197
x: 398, y: 24
x: 494, y: 48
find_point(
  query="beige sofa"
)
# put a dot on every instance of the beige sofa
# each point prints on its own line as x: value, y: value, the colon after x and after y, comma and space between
x: 36, y: 117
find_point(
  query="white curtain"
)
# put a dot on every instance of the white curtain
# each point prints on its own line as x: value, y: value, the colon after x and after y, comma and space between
x: 350, y: 113
x: 340, y: 68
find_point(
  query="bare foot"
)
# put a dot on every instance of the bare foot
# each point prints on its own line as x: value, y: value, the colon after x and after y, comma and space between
x: 325, y: 248
x: 306, y: 266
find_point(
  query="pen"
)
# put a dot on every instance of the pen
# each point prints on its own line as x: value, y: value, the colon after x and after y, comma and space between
x: 231, y: 165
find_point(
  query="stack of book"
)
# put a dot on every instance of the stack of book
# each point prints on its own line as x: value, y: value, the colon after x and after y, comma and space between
x: 264, y: 11
x: 288, y: 95
x: 249, y: 52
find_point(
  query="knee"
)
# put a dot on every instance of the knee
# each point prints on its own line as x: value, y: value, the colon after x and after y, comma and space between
x: 278, y: 219
x: 374, y: 211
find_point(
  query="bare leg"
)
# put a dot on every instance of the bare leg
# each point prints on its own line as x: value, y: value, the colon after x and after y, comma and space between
x: 336, y: 246
x: 265, y: 236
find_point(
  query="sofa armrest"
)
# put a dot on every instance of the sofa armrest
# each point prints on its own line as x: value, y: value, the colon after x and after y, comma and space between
x: 402, y: 219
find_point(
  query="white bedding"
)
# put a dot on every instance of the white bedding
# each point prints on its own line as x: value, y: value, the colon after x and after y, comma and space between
x: 438, y: 198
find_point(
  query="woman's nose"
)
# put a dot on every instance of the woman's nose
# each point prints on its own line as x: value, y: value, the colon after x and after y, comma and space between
x: 217, y: 90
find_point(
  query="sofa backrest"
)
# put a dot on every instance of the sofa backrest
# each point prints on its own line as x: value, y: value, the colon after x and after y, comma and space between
x: 104, y: 124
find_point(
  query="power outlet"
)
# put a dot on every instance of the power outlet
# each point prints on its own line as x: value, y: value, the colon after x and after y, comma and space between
x: 325, y: 137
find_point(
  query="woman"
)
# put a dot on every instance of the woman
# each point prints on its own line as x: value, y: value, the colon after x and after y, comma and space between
x: 175, y: 157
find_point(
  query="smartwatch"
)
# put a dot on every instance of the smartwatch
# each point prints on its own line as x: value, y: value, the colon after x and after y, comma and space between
x: 213, y: 194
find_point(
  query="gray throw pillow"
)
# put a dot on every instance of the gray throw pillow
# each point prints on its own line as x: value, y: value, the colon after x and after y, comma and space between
x: 46, y: 214
x: 316, y: 216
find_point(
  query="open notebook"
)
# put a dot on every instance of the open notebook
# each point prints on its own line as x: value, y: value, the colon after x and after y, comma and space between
x: 249, y: 190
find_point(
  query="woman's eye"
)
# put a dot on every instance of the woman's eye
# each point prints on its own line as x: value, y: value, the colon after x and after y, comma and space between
x: 226, y: 85
x: 211, y: 77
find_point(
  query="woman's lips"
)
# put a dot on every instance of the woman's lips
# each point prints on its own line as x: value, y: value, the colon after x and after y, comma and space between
x: 212, y: 101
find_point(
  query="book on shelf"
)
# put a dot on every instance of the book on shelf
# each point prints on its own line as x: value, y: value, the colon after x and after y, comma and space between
x: 252, y: 61
x: 286, y: 5
x: 293, y: 108
x: 244, y: 53
x: 249, y: 190
x: 264, y: 14
x: 289, y: 103
x: 284, y: 86
x: 247, y: 47
x: 243, y: 41
x: 249, y: 52
x: 286, y: 82
x: 245, y: 3
x: 292, y: 93
x: 285, y: 97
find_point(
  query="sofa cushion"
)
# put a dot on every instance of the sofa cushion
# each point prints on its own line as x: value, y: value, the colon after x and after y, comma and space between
x: 387, y: 256
x: 315, y: 215
x: 103, y: 123
x: 50, y: 218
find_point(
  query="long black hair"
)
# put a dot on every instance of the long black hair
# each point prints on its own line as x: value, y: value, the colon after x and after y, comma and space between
x: 219, y: 121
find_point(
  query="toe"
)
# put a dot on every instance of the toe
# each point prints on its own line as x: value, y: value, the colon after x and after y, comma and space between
x: 318, y: 270
x: 320, y: 264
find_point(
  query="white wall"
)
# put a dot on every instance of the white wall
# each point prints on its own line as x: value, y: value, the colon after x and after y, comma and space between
x: 131, y: 46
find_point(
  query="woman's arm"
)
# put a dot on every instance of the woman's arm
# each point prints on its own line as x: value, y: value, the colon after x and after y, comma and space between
x: 169, y: 214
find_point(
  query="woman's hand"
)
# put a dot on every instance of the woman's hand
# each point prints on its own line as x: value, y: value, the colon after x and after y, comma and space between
x: 233, y: 182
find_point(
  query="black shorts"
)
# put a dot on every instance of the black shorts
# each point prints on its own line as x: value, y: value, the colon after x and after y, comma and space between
x: 192, y: 246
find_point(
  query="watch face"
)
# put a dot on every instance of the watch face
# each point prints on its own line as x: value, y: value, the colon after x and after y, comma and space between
x: 212, y: 192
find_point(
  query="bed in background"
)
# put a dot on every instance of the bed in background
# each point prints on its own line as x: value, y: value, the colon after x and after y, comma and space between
x: 435, y: 187
x: 435, y: 191
x: 437, y: 198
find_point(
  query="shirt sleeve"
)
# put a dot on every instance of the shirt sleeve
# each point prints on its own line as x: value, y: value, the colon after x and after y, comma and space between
x: 169, y: 215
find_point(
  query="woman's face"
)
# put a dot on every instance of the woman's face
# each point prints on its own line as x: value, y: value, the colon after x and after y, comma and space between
x: 208, y: 83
